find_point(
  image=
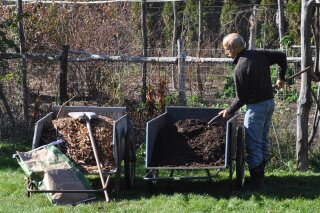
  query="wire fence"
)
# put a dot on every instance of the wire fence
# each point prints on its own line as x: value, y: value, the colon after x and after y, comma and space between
x: 113, y: 84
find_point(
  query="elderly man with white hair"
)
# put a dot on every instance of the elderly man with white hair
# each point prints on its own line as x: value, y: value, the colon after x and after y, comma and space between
x: 253, y: 86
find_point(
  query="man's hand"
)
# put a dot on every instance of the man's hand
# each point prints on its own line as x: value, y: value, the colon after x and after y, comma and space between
x: 224, y: 113
x: 280, y: 83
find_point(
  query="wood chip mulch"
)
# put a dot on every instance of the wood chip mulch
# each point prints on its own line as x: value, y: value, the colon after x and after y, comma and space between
x: 78, y: 146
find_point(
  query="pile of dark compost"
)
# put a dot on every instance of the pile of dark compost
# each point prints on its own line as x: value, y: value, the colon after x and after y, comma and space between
x: 190, y: 143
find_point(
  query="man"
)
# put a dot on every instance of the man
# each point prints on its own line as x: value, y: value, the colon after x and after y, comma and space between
x: 253, y: 86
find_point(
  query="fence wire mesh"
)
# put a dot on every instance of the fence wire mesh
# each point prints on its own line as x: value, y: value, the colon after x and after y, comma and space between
x: 114, y: 84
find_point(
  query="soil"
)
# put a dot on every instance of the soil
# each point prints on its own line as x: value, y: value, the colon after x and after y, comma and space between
x: 77, y: 144
x: 190, y: 143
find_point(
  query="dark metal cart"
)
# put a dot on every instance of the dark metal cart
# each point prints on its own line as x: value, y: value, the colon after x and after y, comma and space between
x: 234, y: 150
x: 123, y: 149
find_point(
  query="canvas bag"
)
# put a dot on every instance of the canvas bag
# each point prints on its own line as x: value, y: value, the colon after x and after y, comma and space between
x: 50, y: 169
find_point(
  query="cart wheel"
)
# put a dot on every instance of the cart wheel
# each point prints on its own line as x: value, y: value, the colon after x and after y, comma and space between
x: 29, y: 185
x: 231, y: 162
x: 240, y: 158
x: 129, y: 164
x: 117, y: 176
x: 116, y: 187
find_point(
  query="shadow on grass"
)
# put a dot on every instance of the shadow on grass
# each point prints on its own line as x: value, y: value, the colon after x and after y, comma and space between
x: 315, y: 162
x: 284, y: 187
x: 6, y: 152
x: 276, y: 187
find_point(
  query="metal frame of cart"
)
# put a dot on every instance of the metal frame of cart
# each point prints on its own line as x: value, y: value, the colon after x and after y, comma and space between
x: 234, y: 151
x: 123, y: 149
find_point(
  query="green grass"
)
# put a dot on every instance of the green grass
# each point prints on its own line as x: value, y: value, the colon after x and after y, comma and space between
x: 286, y: 191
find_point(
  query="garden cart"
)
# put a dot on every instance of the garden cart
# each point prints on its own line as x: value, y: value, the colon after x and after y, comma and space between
x: 233, y: 150
x: 122, y: 148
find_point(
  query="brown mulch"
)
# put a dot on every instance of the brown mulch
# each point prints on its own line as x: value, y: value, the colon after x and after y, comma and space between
x: 190, y: 143
x: 78, y: 146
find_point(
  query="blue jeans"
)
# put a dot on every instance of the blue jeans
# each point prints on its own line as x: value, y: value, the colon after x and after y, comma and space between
x: 257, y: 122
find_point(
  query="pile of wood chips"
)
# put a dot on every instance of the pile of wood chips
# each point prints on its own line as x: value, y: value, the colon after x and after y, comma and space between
x: 78, y: 146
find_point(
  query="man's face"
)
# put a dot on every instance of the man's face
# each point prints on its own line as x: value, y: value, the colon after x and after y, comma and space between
x: 229, y: 51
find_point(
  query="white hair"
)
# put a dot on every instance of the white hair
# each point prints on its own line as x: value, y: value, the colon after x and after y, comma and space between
x: 233, y: 39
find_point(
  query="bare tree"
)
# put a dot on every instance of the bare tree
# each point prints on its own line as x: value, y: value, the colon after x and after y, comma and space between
x: 304, y: 102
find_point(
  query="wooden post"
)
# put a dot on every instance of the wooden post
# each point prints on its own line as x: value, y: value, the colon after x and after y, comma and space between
x: 144, y: 46
x: 23, y: 62
x: 199, y: 81
x: 253, y: 28
x: 304, y: 101
x: 281, y: 21
x: 264, y: 30
x: 174, y: 44
x: 64, y: 75
x: 6, y: 106
x: 182, y: 76
x: 200, y: 26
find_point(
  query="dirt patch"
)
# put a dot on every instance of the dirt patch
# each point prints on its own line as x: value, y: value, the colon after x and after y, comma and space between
x: 78, y: 146
x: 190, y: 143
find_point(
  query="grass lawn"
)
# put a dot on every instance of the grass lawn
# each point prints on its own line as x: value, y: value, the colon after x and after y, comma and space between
x: 286, y: 191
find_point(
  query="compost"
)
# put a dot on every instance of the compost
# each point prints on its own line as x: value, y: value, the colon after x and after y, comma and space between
x: 77, y: 144
x: 190, y: 143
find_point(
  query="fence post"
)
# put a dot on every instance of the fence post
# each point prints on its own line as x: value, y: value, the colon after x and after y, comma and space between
x: 182, y: 76
x: 23, y: 61
x: 253, y: 28
x: 198, y: 71
x: 63, y: 87
x: 145, y: 49
x: 174, y: 43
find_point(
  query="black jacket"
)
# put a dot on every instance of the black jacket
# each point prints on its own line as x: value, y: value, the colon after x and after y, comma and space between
x: 252, y: 76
